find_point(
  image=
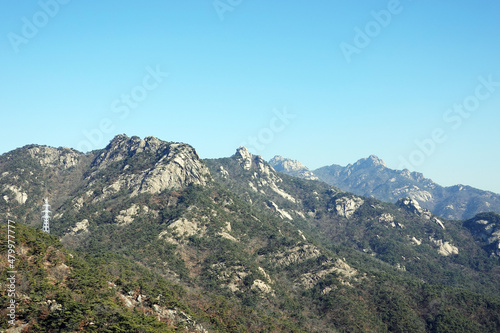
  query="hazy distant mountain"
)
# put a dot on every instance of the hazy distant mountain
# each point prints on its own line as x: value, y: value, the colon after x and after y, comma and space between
x: 371, y: 177
x: 292, y: 168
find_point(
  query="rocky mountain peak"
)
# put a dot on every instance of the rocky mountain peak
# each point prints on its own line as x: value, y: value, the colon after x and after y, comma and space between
x: 244, y: 157
x: 150, y: 165
x: 122, y: 147
x: 51, y: 157
x: 248, y: 161
x: 371, y: 178
x: 279, y: 163
x: 291, y: 167
x: 262, y: 176
x: 376, y: 161
x: 371, y: 161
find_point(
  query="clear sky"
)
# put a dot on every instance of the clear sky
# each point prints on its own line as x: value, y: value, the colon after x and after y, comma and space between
x: 416, y: 83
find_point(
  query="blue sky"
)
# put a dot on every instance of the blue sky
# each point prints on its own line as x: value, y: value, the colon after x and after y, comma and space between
x: 416, y: 83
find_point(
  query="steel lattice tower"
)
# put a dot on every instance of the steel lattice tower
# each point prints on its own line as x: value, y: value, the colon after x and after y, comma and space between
x: 46, y: 216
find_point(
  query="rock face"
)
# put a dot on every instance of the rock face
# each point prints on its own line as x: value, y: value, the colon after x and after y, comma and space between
x: 370, y: 177
x: 139, y: 302
x: 127, y: 216
x: 244, y: 157
x: 347, y: 206
x: 17, y: 194
x: 48, y: 156
x: 412, y: 206
x: 148, y: 166
x: 81, y: 226
x: 295, y: 255
x: 282, y: 213
x: 444, y: 248
x: 310, y: 279
x: 262, y: 287
x: 292, y: 168
x: 264, y: 177
x: 486, y: 229
x: 132, y: 166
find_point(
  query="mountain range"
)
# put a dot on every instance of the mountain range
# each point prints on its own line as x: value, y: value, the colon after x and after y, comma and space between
x: 148, y: 237
x: 371, y: 177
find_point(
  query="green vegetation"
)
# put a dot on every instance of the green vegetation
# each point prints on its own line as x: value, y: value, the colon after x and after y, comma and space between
x: 251, y: 251
x: 59, y: 291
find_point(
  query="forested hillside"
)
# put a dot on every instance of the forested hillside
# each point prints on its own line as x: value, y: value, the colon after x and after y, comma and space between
x: 147, y: 237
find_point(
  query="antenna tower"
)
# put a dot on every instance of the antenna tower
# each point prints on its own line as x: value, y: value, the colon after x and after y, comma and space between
x: 46, y: 216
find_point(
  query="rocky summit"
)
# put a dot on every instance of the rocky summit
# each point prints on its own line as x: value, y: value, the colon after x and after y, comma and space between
x: 149, y: 165
x: 292, y: 167
x: 148, y: 237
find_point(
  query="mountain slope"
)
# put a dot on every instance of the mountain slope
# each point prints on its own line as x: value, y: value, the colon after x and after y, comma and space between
x: 255, y: 250
x: 370, y: 177
x: 58, y: 291
x: 401, y: 240
x: 486, y: 229
x: 405, y: 235
x: 159, y: 207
